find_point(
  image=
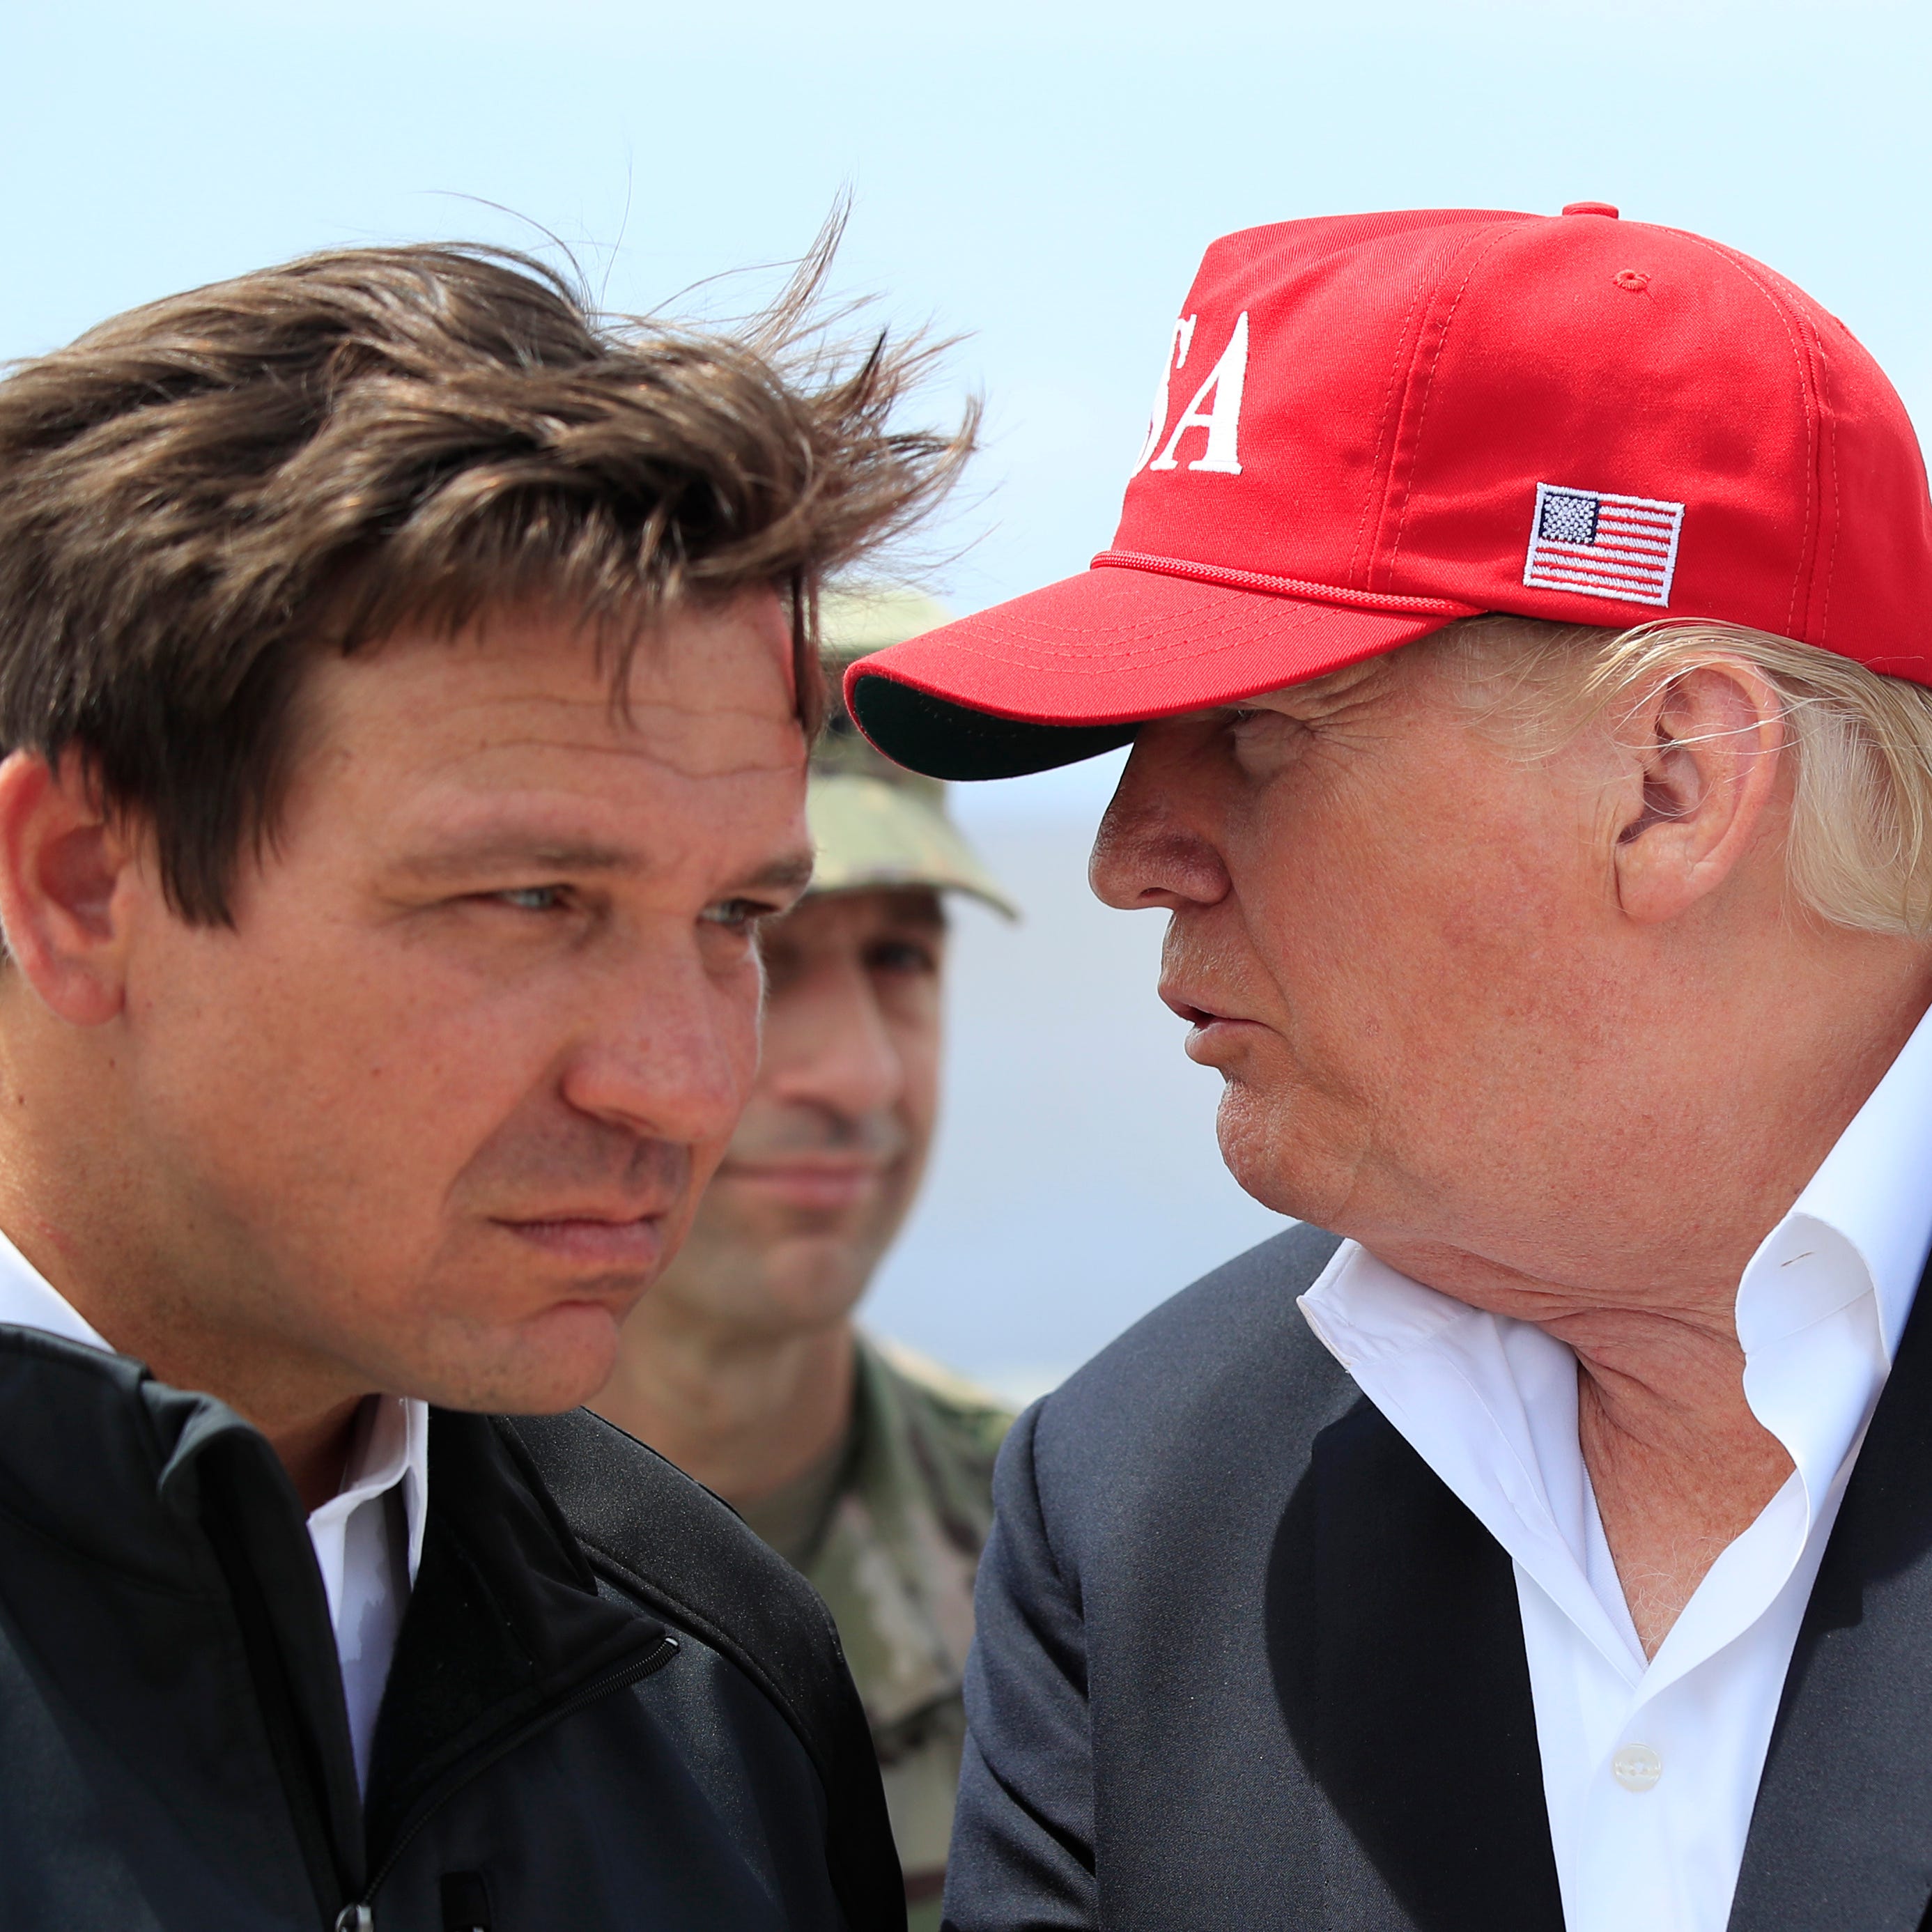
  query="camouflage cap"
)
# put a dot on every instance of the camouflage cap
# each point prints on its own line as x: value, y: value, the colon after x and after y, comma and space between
x: 877, y: 825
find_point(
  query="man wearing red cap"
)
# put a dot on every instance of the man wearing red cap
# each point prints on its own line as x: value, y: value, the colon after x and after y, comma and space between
x: 1523, y: 627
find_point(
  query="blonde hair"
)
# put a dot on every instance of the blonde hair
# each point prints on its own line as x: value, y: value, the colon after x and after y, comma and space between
x: 1860, y: 849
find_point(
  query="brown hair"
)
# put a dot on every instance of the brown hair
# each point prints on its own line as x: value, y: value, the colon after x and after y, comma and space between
x: 199, y: 494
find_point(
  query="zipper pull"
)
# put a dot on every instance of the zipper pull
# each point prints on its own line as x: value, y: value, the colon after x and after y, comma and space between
x: 356, y: 1918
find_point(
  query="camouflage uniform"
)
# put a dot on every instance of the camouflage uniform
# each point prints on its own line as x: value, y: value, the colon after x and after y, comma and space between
x: 894, y: 1562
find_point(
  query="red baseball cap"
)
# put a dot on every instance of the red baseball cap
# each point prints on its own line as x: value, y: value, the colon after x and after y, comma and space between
x: 1370, y: 425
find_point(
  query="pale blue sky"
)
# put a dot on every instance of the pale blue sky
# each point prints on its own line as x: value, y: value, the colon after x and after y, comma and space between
x: 1040, y: 177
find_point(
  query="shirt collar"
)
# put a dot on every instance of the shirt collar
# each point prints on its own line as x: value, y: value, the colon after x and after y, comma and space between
x: 1873, y: 1193
x: 1869, y: 1201
x: 390, y: 1450
x: 28, y: 1299
x: 391, y: 1441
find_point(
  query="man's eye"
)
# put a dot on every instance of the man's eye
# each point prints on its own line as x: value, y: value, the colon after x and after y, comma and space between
x: 1255, y: 724
x: 902, y: 956
x: 531, y: 899
x: 736, y: 915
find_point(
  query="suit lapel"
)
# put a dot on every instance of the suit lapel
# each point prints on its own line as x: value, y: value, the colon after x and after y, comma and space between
x: 1396, y: 1648
x: 1842, y: 1833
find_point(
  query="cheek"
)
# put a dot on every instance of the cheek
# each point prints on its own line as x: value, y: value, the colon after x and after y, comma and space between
x: 1401, y: 937
x: 910, y: 1016
x: 921, y: 1054
x: 738, y: 1007
x: 290, y: 1078
x: 1343, y: 924
x: 424, y: 1040
x: 736, y: 1031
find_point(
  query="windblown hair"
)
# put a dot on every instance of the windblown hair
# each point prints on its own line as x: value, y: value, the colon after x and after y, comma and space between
x: 197, y: 496
x: 1859, y: 850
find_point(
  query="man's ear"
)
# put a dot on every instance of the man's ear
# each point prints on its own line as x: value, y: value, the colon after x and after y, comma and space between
x: 1702, y: 776
x: 64, y: 862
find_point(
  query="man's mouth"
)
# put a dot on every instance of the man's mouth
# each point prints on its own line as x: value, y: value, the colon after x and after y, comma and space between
x: 1181, y: 1002
x: 1212, y: 1029
x: 822, y: 1182
x: 1195, y: 1016
x: 627, y: 1243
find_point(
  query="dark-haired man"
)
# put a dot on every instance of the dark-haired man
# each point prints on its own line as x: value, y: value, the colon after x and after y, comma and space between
x: 868, y: 1467
x: 379, y: 995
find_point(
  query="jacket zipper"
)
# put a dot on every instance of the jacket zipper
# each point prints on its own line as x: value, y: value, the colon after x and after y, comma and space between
x: 359, y: 1915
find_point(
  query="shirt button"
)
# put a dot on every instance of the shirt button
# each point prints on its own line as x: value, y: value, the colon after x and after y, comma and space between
x: 1636, y: 1767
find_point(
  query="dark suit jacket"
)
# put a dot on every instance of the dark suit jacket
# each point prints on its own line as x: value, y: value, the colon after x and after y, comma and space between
x: 1244, y: 1662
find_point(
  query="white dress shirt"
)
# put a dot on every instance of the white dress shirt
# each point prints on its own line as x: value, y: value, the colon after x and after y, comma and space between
x: 1651, y: 1768
x: 368, y: 1538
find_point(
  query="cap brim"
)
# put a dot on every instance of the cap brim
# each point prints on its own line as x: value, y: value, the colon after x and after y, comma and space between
x: 1073, y: 671
x: 879, y: 834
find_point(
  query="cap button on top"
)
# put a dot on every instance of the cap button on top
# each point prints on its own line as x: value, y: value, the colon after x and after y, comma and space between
x: 1590, y: 208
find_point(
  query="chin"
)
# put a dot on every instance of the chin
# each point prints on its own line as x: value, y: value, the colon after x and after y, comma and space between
x: 557, y: 1362
x: 1270, y: 1160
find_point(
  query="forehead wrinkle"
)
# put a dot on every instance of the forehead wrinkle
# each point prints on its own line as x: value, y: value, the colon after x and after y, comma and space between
x: 666, y: 757
x: 1353, y: 684
x: 630, y: 717
x: 492, y: 844
x: 634, y: 704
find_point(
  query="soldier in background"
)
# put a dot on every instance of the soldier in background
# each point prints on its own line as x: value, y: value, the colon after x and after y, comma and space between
x: 867, y: 1467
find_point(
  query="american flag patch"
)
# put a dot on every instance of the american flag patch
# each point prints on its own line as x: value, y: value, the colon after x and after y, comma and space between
x: 1599, y: 545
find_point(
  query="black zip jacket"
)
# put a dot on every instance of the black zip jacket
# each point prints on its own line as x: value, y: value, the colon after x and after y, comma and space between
x: 610, y: 1706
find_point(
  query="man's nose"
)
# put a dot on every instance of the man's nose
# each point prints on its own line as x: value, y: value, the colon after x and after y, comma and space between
x: 1152, y: 849
x: 826, y: 1045
x: 669, y: 1052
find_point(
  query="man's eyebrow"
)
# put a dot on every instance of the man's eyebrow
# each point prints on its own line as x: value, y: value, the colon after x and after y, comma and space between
x: 792, y: 873
x: 917, y: 906
x: 548, y: 855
